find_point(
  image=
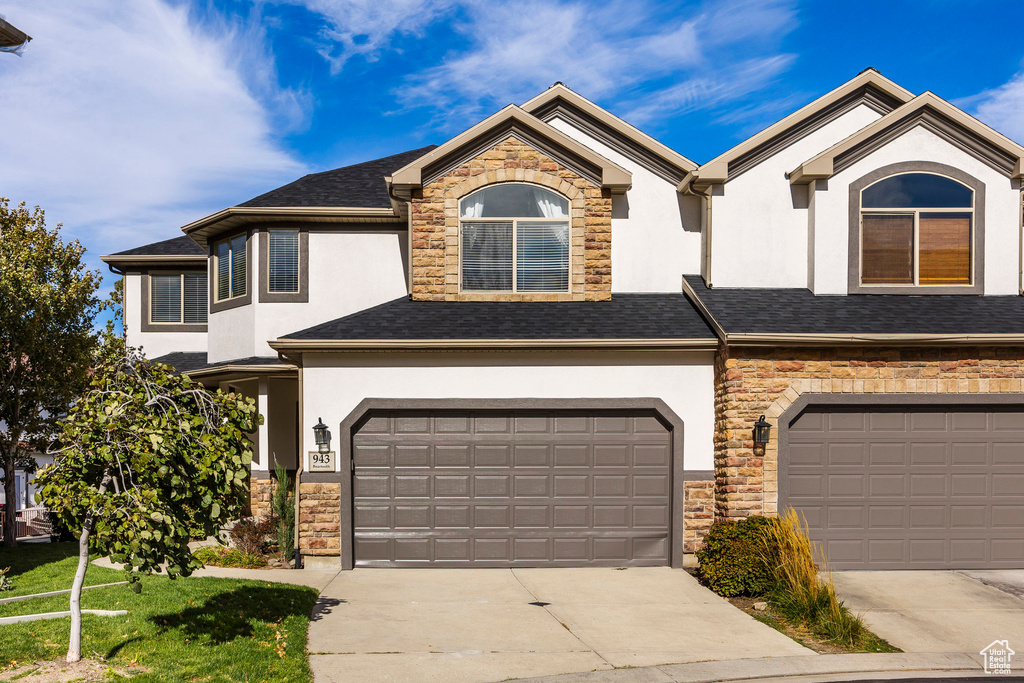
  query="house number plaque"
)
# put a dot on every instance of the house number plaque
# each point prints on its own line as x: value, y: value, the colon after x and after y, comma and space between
x: 321, y: 462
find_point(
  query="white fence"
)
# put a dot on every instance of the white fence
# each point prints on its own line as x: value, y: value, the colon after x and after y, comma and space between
x: 31, y: 523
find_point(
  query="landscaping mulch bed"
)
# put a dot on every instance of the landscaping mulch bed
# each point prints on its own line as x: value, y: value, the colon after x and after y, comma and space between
x: 60, y: 671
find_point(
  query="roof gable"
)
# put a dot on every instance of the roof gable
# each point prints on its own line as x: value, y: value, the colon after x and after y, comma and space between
x: 559, y: 101
x: 928, y: 110
x: 175, y: 250
x: 512, y: 121
x: 868, y: 88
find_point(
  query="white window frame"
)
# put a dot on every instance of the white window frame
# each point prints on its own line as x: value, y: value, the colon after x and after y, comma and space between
x: 515, y: 245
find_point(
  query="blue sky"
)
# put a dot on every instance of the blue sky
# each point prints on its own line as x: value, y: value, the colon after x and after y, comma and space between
x: 126, y: 120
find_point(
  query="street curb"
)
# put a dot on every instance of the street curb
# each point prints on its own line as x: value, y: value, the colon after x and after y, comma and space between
x: 777, y: 667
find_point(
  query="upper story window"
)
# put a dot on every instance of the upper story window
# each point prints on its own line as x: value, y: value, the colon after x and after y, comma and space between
x: 283, y: 261
x: 178, y: 298
x: 231, y: 268
x: 515, y: 238
x: 917, y: 229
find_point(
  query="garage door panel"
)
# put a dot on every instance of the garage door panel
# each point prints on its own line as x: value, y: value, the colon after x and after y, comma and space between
x: 942, y: 488
x: 520, y: 488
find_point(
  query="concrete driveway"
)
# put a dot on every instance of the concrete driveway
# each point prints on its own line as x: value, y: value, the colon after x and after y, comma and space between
x: 937, y: 611
x: 492, y: 624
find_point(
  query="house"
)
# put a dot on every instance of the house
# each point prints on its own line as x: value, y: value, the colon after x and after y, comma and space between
x: 12, y: 39
x: 547, y: 341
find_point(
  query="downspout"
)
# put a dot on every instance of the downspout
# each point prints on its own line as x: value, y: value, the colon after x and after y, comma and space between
x: 408, y: 231
x: 690, y: 189
x: 124, y: 304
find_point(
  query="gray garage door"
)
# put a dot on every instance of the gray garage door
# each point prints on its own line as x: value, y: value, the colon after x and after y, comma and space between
x: 899, y: 489
x: 512, y: 488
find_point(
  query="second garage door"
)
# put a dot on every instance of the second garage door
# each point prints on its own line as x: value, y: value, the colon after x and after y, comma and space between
x: 512, y: 488
x: 909, y: 488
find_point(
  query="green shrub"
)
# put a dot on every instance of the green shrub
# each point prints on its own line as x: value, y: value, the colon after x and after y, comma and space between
x: 732, y: 559
x: 219, y: 556
x: 5, y: 581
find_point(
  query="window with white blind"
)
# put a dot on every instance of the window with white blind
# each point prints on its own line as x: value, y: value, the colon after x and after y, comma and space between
x: 283, y: 261
x: 515, y: 238
x: 178, y: 298
x: 231, y: 268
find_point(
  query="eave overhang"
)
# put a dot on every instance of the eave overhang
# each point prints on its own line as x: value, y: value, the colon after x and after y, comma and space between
x: 11, y: 35
x: 283, y: 345
x: 511, y: 120
x: 560, y: 101
x: 148, y: 260
x: 869, y: 87
x: 927, y: 109
x: 235, y: 216
x: 207, y: 373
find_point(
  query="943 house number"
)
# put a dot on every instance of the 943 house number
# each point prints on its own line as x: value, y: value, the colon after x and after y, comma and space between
x: 321, y: 462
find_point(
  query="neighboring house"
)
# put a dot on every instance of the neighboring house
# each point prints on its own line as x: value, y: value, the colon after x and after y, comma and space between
x: 547, y: 341
x: 12, y: 39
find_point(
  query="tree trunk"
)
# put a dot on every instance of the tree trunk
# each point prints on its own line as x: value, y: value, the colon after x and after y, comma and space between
x: 75, y: 640
x: 10, y: 517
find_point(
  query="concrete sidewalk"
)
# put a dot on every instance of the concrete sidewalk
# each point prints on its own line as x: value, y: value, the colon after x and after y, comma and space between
x: 934, y: 611
x: 790, y: 669
x: 484, y: 625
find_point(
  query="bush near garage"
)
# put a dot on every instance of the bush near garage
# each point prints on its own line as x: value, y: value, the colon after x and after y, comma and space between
x: 733, y: 559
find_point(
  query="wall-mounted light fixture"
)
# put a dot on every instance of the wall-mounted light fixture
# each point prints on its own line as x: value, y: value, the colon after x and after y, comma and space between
x: 322, y: 435
x: 762, y: 431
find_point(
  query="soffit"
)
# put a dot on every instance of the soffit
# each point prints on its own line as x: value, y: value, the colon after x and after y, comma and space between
x: 931, y: 112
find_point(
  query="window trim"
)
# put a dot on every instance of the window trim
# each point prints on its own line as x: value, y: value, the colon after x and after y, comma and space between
x: 977, y: 286
x: 147, y: 312
x: 515, y: 243
x: 236, y: 301
x: 265, y: 295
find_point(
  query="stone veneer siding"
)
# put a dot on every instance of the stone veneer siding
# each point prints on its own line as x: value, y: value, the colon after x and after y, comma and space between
x: 320, y: 518
x: 260, y: 491
x: 698, y: 513
x: 750, y: 382
x: 435, y: 225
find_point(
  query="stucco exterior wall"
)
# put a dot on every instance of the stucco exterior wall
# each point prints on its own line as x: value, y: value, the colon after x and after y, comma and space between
x: 750, y: 382
x: 1002, y: 207
x: 154, y: 344
x: 759, y: 233
x: 349, y: 270
x: 334, y: 383
x: 655, y: 230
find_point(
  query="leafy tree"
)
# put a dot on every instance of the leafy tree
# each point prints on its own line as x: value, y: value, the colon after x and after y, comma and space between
x: 144, y: 454
x: 47, y: 307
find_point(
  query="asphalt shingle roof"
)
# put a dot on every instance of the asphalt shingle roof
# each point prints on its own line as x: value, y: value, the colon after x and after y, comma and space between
x: 799, y: 311
x: 176, y: 246
x: 626, y: 316
x: 361, y: 185
x: 192, y: 361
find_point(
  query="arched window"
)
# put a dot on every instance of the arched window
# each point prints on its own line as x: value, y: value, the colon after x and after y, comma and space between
x: 515, y: 238
x: 916, y: 229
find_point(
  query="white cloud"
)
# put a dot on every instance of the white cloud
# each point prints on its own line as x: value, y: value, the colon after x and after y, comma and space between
x: 367, y: 27
x: 125, y: 120
x: 1002, y: 107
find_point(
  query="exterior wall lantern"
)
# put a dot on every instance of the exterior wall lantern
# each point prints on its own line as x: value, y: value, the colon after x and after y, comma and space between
x: 762, y: 431
x: 322, y: 435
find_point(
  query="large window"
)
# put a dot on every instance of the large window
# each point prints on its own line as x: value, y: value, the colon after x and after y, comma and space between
x: 283, y: 261
x: 515, y: 238
x: 916, y: 229
x: 231, y: 268
x: 177, y: 298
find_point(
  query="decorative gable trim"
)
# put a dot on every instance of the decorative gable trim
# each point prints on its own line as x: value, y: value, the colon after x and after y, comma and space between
x: 558, y: 101
x: 868, y: 88
x: 528, y: 129
x: 931, y: 112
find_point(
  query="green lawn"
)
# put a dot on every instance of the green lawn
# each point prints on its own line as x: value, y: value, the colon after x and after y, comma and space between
x: 194, y: 629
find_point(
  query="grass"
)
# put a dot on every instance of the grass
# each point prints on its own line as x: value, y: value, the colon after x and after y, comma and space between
x: 192, y: 629
x: 219, y: 556
x: 802, y: 597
